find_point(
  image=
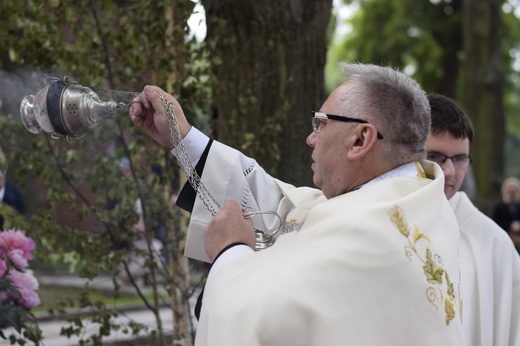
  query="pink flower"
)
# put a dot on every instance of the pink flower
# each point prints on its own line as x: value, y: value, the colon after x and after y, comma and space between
x: 27, y: 285
x: 15, y: 250
x: 16, y: 247
x: 17, y: 259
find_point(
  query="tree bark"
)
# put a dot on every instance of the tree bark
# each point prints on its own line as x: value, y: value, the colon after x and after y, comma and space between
x: 268, y: 60
x: 483, y: 89
x: 449, y: 36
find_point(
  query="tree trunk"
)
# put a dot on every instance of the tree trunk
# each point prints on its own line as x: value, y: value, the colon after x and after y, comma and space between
x: 268, y: 60
x: 451, y: 41
x: 483, y: 89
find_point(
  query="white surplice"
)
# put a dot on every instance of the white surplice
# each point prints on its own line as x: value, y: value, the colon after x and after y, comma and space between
x: 490, y: 278
x: 376, y: 266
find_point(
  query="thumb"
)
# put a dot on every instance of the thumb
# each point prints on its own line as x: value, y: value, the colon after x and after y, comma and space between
x: 154, y: 93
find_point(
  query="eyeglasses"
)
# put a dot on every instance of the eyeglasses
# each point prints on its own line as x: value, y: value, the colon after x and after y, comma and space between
x: 457, y: 160
x: 318, y: 119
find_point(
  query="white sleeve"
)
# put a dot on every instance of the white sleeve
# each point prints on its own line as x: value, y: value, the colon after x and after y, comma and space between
x: 230, y: 175
x: 228, y: 256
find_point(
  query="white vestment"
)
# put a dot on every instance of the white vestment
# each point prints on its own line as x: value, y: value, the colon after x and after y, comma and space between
x: 490, y: 278
x: 376, y: 266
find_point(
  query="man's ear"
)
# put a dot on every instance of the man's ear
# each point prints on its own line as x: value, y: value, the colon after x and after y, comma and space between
x: 366, y: 139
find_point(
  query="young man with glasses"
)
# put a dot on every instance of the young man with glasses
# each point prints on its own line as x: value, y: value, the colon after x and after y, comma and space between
x: 490, y: 266
x: 363, y: 260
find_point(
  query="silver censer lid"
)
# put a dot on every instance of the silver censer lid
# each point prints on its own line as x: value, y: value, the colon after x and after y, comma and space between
x: 64, y: 109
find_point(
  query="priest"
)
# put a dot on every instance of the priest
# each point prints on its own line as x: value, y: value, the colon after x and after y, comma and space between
x: 369, y: 258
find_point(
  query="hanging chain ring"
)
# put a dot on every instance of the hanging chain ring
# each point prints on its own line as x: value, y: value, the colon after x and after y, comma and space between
x: 263, y: 239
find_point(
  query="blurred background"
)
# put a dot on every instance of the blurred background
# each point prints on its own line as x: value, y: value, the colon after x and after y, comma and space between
x: 246, y: 72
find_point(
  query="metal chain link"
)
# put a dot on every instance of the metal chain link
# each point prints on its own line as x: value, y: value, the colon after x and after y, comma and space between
x: 193, y: 178
x: 263, y: 239
x: 245, y: 195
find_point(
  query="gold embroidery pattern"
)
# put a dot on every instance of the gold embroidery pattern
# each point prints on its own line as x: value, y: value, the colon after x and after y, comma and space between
x: 440, y: 292
x: 421, y: 173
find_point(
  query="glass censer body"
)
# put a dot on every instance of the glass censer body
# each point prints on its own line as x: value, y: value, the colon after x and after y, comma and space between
x: 64, y: 109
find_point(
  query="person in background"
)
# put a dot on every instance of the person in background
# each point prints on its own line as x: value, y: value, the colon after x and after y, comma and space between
x: 366, y: 259
x: 150, y: 234
x: 507, y: 211
x: 490, y: 266
x: 137, y: 259
x: 9, y: 193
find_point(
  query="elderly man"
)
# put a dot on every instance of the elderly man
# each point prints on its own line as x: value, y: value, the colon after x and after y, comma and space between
x: 369, y: 259
x: 490, y: 266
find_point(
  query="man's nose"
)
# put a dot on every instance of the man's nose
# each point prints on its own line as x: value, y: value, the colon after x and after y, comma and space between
x: 448, y: 168
x: 311, y: 139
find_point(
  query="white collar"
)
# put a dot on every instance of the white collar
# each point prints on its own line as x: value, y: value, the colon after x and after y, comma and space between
x: 410, y: 169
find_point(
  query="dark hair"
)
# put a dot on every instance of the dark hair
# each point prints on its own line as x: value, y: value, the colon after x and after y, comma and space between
x: 447, y: 116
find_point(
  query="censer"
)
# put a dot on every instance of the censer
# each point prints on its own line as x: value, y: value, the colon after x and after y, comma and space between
x: 65, y: 109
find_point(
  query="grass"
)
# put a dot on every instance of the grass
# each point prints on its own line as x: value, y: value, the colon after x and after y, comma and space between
x: 51, y: 295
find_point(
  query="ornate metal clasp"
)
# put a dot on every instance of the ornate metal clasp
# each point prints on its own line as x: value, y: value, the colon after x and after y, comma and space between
x: 263, y: 239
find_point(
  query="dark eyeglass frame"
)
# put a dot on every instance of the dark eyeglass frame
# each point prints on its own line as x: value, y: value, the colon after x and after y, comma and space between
x: 457, y: 160
x: 316, y: 116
